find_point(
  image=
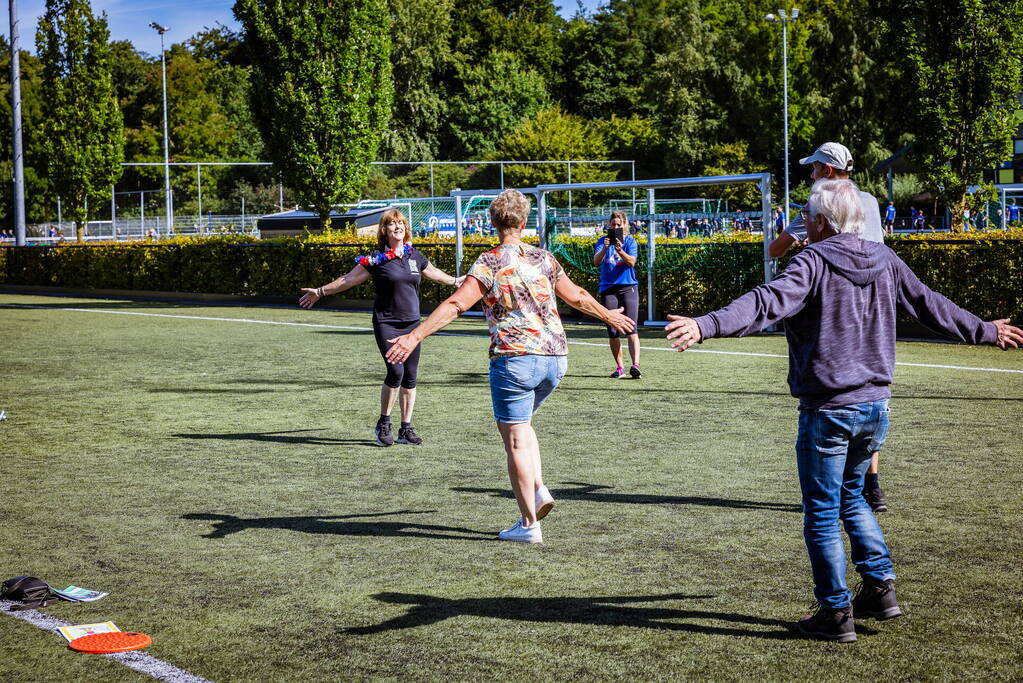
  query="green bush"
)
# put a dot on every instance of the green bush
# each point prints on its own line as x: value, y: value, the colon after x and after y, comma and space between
x: 693, y: 276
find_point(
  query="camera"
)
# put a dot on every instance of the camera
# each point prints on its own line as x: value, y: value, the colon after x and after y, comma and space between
x: 615, y: 234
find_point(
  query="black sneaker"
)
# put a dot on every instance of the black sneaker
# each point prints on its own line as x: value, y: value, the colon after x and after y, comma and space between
x: 875, y: 499
x: 634, y: 371
x: 408, y: 435
x: 876, y: 600
x: 829, y: 624
x: 383, y: 433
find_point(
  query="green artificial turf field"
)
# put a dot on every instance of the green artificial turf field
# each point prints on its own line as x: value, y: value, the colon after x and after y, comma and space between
x: 218, y: 477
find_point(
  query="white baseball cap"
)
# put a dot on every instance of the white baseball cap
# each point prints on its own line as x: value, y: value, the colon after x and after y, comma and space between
x: 831, y: 154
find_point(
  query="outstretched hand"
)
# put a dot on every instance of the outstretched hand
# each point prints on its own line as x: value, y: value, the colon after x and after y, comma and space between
x: 458, y: 281
x: 620, y: 321
x: 402, y: 348
x: 309, y: 297
x: 1009, y: 336
x: 685, y: 330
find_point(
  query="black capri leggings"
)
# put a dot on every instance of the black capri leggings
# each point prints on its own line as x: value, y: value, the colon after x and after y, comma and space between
x: 618, y: 296
x: 398, y: 374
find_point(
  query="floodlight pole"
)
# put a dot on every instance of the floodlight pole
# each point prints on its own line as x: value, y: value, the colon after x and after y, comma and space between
x: 168, y: 200
x: 19, y: 152
x: 784, y: 20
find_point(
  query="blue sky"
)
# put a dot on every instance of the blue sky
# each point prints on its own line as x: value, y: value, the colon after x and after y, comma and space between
x: 129, y: 19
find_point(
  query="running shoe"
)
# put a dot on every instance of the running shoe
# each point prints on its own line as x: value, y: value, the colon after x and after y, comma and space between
x: 408, y: 435
x: 544, y: 502
x: 522, y: 534
x: 618, y: 373
x: 383, y: 433
x: 634, y: 371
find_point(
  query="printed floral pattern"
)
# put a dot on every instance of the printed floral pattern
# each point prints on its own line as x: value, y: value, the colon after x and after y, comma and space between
x: 520, y: 305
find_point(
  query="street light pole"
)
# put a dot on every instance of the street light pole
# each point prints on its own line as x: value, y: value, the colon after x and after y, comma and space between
x: 19, y: 157
x: 784, y: 20
x: 168, y: 199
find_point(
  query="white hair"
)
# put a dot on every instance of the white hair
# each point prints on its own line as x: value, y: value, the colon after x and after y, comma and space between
x: 840, y: 204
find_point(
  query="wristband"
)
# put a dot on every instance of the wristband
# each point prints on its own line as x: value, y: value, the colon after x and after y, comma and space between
x: 319, y: 292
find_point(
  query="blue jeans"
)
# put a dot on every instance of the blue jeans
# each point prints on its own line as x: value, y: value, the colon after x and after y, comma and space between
x: 520, y: 384
x: 833, y: 452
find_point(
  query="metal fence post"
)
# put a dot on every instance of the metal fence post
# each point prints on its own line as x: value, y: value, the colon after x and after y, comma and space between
x: 458, y: 234
x: 198, y: 181
x: 651, y: 241
x: 570, y: 194
x: 767, y: 226
x: 113, y: 213
x: 541, y: 219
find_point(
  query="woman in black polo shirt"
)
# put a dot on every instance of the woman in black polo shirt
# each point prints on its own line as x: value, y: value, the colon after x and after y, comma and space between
x: 396, y: 268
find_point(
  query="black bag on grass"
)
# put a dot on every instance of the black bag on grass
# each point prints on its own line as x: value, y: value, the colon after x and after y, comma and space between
x: 33, y: 593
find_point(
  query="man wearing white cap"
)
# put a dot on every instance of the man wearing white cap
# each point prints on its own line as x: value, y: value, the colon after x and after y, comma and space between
x: 833, y: 161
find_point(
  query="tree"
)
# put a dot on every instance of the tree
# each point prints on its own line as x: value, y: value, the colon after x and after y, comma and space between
x: 83, y: 134
x: 39, y: 198
x: 498, y: 93
x: 420, y: 57
x: 963, y: 74
x: 321, y: 91
x: 553, y: 135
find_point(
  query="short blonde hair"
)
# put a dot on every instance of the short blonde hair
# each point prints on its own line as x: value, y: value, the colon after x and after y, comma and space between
x: 391, y: 215
x: 621, y: 216
x: 510, y: 210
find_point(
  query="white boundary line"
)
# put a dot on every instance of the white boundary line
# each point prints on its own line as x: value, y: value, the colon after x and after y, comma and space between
x: 136, y: 659
x: 462, y: 334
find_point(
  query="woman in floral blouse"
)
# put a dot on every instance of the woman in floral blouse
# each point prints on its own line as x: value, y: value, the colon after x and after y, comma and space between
x: 518, y: 284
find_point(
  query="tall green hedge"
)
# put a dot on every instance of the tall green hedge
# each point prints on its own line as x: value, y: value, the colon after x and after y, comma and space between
x: 982, y: 275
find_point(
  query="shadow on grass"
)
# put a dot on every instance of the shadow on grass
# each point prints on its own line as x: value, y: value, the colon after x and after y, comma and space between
x: 295, y: 436
x: 600, y: 611
x: 342, y: 525
x: 599, y: 493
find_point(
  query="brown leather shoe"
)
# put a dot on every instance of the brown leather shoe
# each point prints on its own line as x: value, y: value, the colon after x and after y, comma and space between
x: 829, y: 624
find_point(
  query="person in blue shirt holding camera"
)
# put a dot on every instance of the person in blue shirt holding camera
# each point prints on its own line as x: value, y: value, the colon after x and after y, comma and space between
x: 619, y: 288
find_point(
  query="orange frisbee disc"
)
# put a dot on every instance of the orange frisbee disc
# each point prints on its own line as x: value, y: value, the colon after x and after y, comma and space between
x: 106, y: 643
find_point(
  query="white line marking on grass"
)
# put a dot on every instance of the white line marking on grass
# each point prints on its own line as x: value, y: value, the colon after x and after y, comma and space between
x: 136, y: 659
x: 463, y: 334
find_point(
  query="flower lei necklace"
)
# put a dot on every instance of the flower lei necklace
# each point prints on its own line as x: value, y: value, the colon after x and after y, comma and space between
x: 376, y: 258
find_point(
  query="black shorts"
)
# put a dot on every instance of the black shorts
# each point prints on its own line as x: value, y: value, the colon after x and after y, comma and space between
x: 621, y: 296
x: 398, y: 374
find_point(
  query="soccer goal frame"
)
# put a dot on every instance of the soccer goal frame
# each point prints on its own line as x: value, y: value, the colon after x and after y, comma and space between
x: 540, y: 192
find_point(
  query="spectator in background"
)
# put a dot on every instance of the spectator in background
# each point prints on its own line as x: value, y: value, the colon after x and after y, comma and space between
x: 1000, y: 220
x: 619, y: 288
x: 833, y: 161
x: 983, y: 221
x: 838, y: 300
x: 889, y: 219
x: 1013, y: 211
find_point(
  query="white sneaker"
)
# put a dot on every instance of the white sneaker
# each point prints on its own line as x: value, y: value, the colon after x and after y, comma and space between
x: 522, y: 534
x: 544, y: 502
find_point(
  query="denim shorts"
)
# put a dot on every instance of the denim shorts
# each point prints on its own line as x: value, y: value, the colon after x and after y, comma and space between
x: 520, y: 384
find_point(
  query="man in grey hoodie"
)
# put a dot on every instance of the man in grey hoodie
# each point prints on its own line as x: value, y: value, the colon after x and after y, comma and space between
x: 839, y: 298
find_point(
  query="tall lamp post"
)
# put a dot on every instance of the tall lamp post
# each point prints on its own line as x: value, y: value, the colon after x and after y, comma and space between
x: 168, y: 199
x: 784, y: 20
x: 19, y: 157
